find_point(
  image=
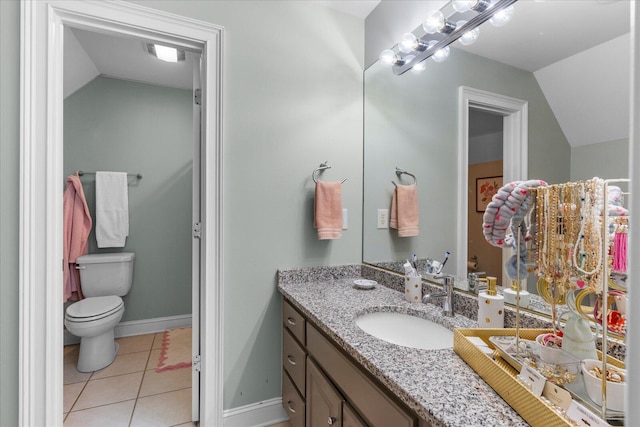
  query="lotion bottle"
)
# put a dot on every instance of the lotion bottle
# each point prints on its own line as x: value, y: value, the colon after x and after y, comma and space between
x: 490, y: 306
x: 511, y: 295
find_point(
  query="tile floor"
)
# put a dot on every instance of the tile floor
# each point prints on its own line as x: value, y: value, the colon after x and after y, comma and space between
x: 128, y: 392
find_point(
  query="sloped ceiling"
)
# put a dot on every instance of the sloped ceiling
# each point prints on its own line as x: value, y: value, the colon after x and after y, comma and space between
x: 578, y: 51
x: 89, y: 54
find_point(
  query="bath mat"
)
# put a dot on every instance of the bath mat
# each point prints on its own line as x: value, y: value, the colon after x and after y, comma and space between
x: 176, y: 350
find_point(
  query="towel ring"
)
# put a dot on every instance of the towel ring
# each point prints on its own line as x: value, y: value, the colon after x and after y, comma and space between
x: 403, y: 172
x: 319, y: 169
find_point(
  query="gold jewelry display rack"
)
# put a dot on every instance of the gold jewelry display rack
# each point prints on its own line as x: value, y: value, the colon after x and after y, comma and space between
x: 502, y: 376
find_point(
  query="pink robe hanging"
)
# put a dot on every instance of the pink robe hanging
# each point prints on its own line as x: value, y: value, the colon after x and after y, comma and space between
x: 77, y: 225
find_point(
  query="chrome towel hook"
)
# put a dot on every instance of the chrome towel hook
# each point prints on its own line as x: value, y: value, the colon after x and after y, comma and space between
x: 404, y: 172
x: 324, y: 165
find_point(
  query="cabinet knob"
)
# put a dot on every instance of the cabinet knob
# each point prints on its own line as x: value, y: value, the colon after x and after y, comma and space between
x: 331, y: 420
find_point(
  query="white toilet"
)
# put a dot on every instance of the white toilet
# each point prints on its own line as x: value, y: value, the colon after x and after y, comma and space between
x: 104, y: 279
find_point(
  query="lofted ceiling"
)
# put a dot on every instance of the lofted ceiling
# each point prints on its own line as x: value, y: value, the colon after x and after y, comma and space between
x: 578, y: 51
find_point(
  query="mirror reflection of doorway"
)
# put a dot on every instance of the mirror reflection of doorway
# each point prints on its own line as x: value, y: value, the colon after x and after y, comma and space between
x: 485, y: 172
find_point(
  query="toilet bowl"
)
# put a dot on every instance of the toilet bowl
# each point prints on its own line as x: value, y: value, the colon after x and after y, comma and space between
x: 93, y: 320
x: 104, y: 278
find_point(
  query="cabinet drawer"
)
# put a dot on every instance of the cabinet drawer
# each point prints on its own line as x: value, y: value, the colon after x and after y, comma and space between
x: 294, y: 321
x: 367, y: 398
x: 294, y: 360
x: 292, y: 402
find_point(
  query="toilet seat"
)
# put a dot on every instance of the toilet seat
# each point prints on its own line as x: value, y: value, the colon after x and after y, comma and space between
x: 94, y: 308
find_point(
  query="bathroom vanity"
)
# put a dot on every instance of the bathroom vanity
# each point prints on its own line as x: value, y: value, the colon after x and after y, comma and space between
x: 336, y: 374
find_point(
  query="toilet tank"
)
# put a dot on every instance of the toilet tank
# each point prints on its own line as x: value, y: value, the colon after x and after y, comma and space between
x: 106, y: 274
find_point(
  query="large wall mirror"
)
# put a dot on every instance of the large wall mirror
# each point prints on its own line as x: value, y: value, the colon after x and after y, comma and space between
x: 567, y: 60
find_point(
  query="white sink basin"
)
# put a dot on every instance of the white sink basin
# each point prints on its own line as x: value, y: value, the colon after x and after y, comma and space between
x: 407, y: 330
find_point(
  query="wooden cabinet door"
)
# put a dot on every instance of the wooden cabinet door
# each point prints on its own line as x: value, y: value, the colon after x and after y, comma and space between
x: 350, y: 418
x: 324, y: 403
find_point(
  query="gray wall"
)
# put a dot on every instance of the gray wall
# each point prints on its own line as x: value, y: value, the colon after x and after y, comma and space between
x: 411, y: 121
x: 9, y: 199
x: 292, y: 99
x: 605, y: 160
x: 118, y: 125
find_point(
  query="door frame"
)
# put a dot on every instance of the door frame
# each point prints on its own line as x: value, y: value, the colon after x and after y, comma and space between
x: 41, y: 155
x: 515, y: 146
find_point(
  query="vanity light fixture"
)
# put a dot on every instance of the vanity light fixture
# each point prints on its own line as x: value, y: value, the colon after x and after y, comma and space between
x: 165, y: 53
x: 456, y: 20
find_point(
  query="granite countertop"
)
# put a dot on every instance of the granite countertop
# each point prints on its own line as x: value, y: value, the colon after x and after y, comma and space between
x: 437, y: 384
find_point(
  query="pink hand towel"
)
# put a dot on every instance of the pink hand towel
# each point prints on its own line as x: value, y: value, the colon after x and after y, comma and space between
x: 405, y: 216
x: 77, y: 225
x: 327, y: 207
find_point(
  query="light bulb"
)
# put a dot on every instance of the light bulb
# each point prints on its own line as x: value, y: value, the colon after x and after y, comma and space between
x: 419, y: 67
x: 468, y: 37
x: 462, y: 6
x: 502, y: 16
x: 388, y: 57
x: 434, y: 23
x: 408, y: 43
x: 439, y: 55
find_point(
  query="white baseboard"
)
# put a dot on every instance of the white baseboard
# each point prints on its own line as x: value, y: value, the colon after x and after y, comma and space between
x: 140, y: 327
x: 261, y: 414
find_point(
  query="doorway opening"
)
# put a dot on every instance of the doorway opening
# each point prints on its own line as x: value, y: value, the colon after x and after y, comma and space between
x: 485, y: 177
x: 41, y: 313
x: 514, y: 116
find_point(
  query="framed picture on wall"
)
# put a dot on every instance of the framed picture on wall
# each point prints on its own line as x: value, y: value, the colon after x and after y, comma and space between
x: 485, y: 189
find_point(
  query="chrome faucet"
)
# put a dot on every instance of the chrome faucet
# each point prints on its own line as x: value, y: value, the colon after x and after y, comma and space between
x: 446, y: 295
x: 474, y: 278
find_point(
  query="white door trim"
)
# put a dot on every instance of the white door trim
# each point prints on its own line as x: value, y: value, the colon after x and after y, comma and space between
x: 514, y: 153
x: 41, y: 153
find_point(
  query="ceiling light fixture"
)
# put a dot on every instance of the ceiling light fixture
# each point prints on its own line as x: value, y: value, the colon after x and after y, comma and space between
x: 458, y: 19
x: 165, y: 53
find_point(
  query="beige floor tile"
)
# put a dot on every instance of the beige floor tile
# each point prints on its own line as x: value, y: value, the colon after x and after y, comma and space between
x: 71, y: 393
x: 157, y: 341
x: 156, y: 383
x: 115, y: 415
x: 124, y: 364
x: 135, y: 344
x: 109, y: 390
x: 72, y: 375
x: 71, y: 353
x: 161, y: 410
x: 154, y: 358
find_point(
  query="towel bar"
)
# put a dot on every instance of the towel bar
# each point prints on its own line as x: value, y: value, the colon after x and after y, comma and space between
x: 320, y: 168
x: 137, y: 175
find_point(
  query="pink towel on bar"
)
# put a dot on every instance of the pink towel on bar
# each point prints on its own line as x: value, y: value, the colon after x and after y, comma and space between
x: 327, y: 207
x: 405, y: 216
x: 77, y: 225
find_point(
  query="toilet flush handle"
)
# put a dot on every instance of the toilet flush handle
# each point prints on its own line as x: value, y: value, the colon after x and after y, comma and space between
x: 81, y: 267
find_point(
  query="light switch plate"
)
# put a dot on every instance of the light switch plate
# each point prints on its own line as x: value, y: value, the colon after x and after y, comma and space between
x: 383, y: 218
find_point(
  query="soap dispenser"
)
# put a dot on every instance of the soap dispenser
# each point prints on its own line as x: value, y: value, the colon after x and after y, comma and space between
x: 490, y: 306
x: 510, y: 295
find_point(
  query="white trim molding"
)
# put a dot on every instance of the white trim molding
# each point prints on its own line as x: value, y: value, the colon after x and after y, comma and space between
x: 514, y: 152
x: 41, y: 175
x: 260, y: 414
